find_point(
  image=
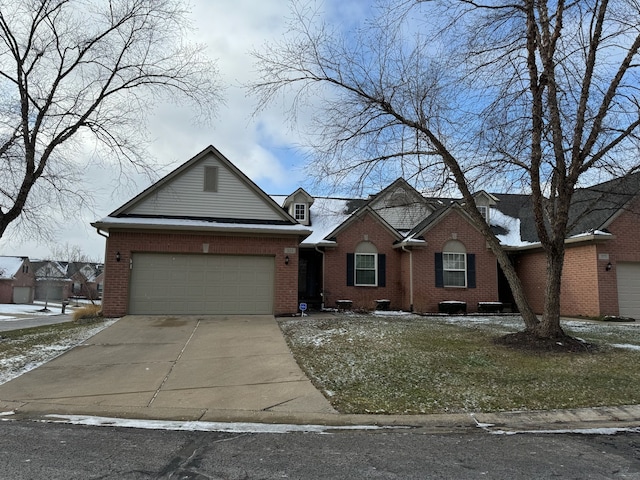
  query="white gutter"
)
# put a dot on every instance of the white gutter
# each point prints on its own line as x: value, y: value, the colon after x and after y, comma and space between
x: 580, y: 238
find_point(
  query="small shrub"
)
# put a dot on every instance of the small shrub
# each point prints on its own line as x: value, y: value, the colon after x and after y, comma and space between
x: 87, y: 312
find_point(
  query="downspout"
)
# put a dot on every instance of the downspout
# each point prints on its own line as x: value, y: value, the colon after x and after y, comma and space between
x: 101, y: 234
x: 104, y: 263
x: 404, y: 249
x: 321, y: 293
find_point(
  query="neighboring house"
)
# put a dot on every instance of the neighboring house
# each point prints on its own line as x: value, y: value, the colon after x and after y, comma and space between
x: 17, y: 281
x: 52, y: 281
x: 87, y: 279
x: 206, y: 239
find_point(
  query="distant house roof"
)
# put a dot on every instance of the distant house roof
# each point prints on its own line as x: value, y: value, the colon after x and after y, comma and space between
x: 9, y: 266
x: 50, y: 269
x: 88, y: 271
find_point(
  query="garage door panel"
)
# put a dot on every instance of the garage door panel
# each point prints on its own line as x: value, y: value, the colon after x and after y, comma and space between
x: 628, y: 275
x: 201, y: 284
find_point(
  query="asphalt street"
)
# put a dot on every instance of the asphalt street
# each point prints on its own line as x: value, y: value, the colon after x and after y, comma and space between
x: 35, y: 450
x: 33, y: 322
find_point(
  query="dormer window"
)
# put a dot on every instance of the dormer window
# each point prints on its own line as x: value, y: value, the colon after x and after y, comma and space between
x: 300, y: 212
x: 298, y: 205
x: 484, y: 211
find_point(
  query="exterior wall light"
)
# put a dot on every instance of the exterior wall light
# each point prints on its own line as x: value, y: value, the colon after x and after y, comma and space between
x: 117, y: 256
x: 608, y: 267
x: 286, y: 260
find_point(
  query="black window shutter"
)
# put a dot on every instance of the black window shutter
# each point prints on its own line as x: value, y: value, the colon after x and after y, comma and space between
x: 471, y: 270
x: 439, y: 270
x: 350, y: 269
x: 382, y: 270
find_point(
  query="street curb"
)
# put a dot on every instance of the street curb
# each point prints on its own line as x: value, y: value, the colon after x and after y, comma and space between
x: 625, y: 416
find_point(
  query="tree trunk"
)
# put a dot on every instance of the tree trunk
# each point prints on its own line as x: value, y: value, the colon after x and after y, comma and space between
x: 549, y: 327
x: 529, y: 318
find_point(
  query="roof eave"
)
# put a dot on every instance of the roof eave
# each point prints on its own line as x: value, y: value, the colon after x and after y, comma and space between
x: 216, y: 228
x: 591, y: 238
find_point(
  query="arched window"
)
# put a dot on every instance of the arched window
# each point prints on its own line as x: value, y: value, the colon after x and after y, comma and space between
x: 366, y: 264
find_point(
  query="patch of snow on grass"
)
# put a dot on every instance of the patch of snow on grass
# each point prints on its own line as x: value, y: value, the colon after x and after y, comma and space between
x: 626, y: 346
x: 391, y: 313
x: 17, y: 365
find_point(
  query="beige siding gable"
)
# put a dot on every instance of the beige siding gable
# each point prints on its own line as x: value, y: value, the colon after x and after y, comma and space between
x: 401, y: 206
x: 188, y: 195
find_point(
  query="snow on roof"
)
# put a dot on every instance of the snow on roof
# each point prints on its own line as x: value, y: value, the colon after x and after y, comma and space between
x: 327, y: 214
x: 511, y: 226
x: 591, y: 233
x: 9, y: 266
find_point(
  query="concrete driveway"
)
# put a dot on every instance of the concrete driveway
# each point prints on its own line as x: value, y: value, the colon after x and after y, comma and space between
x: 209, y: 368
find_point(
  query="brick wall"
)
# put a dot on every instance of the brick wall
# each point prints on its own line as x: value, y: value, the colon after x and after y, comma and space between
x: 362, y: 229
x: 6, y: 291
x: 21, y: 279
x: 426, y: 295
x: 531, y: 267
x: 578, y: 292
x: 625, y: 247
x: 116, y: 284
x: 587, y: 287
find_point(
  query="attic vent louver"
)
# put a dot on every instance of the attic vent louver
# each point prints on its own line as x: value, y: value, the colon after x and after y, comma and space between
x: 210, y: 179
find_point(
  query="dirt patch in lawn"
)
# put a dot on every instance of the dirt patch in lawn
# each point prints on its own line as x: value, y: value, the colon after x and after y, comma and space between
x: 530, y: 342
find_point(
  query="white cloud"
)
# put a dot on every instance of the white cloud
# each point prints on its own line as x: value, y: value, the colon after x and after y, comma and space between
x: 263, y: 146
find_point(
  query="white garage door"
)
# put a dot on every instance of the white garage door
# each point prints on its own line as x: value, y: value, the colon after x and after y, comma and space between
x: 182, y: 284
x: 629, y: 289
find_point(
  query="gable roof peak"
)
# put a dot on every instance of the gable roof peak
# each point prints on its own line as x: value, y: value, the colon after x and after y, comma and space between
x: 181, y: 182
x: 295, y: 197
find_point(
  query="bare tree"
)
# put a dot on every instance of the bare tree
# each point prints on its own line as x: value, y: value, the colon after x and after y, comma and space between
x: 77, y: 73
x: 68, y: 252
x: 539, y: 96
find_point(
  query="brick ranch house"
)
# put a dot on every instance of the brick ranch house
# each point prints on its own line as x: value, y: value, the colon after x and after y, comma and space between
x: 205, y: 239
x: 17, y: 280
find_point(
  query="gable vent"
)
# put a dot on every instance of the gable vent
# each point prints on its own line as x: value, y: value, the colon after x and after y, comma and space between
x: 210, y: 179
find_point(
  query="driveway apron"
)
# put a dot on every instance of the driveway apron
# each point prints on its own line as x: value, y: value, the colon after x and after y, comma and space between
x: 179, y: 367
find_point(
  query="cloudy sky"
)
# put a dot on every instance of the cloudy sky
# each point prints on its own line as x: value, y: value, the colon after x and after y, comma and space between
x: 262, y: 146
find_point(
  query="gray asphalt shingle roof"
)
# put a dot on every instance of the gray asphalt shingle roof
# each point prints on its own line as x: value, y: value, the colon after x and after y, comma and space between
x: 592, y: 208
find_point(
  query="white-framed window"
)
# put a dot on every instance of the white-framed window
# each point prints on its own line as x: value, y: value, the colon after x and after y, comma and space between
x: 454, y: 264
x: 366, y: 269
x: 484, y: 211
x: 454, y: 271
x: 366, y: 265
x: 300, y: 212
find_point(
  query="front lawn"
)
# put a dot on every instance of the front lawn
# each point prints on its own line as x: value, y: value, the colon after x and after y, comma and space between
x: 408, y: 364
